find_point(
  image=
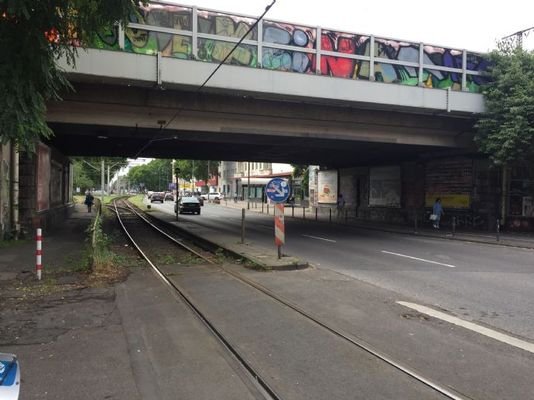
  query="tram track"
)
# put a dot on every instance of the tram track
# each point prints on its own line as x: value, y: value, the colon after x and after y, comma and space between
x: 267, y: 392
x: 349, y: 338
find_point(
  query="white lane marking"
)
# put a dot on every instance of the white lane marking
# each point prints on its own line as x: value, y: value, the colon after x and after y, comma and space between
x: 501, y: 337
x: 419, y: 259
x: 320, y: 238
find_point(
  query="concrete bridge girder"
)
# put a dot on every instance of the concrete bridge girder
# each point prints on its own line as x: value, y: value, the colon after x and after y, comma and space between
x: 134, y: 105
x: 245, y: 126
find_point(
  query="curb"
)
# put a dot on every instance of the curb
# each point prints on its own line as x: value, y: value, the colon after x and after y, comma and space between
x: 287, y: 263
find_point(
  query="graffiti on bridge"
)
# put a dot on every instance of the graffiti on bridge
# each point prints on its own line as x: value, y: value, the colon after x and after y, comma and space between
x: 298, y: 37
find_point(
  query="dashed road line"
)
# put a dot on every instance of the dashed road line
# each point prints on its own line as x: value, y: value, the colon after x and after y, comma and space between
x: 418, y: 259
x: 320, y: 238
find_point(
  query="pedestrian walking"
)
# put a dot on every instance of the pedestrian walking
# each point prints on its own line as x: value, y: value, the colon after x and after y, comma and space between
x: 340, y: 205
x: 437, y: 212
x: 89, y: 200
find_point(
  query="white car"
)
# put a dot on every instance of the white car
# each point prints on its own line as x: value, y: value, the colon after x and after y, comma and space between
x: 213, y: 196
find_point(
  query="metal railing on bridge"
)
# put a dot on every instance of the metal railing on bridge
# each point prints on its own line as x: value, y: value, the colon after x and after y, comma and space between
x: 202, y: 34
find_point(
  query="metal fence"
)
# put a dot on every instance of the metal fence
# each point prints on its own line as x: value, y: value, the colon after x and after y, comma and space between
x: 202, y: 34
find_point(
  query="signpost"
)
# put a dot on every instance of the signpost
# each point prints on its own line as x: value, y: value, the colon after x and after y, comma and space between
x: 278, y: 190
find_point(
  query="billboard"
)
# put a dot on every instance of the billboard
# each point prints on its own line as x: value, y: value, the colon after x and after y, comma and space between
x: 327, y: 187
x: 385, y: 187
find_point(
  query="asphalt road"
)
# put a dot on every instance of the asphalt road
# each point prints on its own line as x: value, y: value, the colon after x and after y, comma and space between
x: 486, y: 284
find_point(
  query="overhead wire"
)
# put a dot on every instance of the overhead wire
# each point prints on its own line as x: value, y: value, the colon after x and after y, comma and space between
x: 221, y: 63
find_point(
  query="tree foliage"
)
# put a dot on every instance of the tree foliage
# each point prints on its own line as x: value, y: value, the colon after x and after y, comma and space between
x: 197, y: 169
x: 88, y: 170
x: 506, y: 129
x: 156, y: 175
x: 33, y: 35
x: 302, y: 172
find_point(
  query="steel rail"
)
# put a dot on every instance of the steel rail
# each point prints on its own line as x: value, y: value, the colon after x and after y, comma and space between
x: 360, y: 343
x: 196, y: 253
x: 264, y: 387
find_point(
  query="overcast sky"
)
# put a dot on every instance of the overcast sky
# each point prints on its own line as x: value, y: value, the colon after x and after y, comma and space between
x: 462, y: 24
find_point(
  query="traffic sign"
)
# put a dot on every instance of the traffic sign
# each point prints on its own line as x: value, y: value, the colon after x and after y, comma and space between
x: 277, y: 190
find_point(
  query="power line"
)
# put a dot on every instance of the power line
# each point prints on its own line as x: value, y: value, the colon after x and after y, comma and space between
x: 180, y: 109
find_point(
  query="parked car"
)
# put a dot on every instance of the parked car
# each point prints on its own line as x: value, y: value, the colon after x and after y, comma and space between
x: 169, y: 196
x: 188, y: 205
x: 214, y: 196
x: 157, y: 196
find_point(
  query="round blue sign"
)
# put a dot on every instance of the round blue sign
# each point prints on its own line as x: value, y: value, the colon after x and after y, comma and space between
x: 277, y: 190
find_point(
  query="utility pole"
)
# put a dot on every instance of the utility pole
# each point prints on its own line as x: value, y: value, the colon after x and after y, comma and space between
x: 102, y: 169
x: 517, y: 37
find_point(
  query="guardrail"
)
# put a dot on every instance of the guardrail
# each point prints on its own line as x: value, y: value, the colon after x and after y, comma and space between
x: 202, y: 34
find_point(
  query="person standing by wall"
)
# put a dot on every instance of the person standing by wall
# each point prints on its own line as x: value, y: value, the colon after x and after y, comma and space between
x: 89, y: 200
x: 340, y: 205
x: 437, y: 212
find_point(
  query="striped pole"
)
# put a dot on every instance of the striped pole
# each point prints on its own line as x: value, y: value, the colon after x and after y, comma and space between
x: 39, y: 253
x: 279, y: 228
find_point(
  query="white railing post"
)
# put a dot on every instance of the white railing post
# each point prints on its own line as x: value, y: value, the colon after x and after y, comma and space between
x: 121, y: 34
x: 260, y: 44
x: 421, y: 61
x: 372, y: 58
x: 464, y: 70
x: 194, y: 37
x: 318, y: 47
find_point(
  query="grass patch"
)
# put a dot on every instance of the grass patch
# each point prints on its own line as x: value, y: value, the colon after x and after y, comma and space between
x: 138, y: 201
x: 105, y: 264
x: 4, y: 244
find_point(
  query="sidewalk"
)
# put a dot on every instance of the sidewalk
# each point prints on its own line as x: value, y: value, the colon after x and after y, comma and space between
x: 514, y: 239
x: 62, y: 331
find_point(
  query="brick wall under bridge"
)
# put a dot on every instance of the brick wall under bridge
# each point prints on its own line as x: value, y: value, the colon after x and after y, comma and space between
x: 45, y: 189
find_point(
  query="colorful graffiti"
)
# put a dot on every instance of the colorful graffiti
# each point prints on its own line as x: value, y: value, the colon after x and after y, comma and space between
x: 345, y: 44
x: 288, y: 35
x: 151, y: 42
x: 288, y: 47
x: 229, y: 26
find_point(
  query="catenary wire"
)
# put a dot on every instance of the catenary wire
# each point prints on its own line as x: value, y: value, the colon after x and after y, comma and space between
x: 181, y: 108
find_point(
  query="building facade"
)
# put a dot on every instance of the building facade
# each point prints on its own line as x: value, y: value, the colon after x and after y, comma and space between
x: 242, y: 179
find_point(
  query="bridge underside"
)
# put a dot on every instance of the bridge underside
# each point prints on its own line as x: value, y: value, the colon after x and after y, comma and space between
x: 84, y: 140
x: 118, y: 120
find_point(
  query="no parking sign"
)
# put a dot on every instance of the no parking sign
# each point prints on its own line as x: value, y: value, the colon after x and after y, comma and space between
x: 277, y: 190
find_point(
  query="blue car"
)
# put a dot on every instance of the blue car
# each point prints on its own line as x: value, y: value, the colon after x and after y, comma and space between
x: 9, y: 377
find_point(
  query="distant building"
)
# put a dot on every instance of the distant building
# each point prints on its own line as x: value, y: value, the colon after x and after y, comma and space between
x: 237, y: 175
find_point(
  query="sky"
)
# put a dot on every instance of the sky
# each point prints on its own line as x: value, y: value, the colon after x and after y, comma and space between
x: 474, y: 25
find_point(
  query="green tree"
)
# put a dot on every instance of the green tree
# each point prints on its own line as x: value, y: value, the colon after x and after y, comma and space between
x: 197, y: 168
x: 80, y: 177
x: 88, y: 172
x: 156, y: 175
x: 302, y: 172
x: 33, y: 35
x: 505, y: 131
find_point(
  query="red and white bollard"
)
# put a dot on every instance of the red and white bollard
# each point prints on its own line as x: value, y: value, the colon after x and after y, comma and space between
x: 39, y: 253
